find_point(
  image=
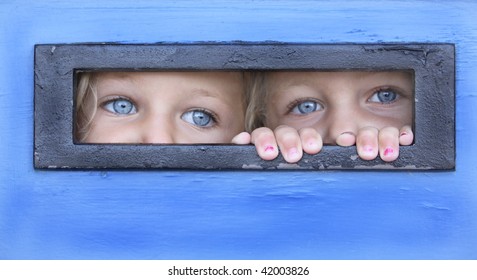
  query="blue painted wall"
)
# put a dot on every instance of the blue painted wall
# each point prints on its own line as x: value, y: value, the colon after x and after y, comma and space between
x: 232, y: 215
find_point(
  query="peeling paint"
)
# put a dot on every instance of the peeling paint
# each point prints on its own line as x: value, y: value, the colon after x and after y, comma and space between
x: 430, y: 205
x: 252, y: 166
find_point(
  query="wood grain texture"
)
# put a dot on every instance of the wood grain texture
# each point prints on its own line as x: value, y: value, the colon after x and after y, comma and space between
x: 232, y: 215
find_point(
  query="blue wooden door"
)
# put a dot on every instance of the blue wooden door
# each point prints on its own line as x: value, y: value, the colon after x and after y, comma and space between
x: 240, y: 214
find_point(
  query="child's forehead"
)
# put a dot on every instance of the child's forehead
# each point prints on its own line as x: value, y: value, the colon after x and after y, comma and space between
x: 226, y: 86
x: 206, y: 75
x: 289, y: 75
x: 218, y: 82
x: 286, y: 79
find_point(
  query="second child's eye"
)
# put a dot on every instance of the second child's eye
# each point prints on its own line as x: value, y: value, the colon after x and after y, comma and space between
x: 199, y: 118
x: 305, y: 107
x: 120, y: 106
x: 385, y: 96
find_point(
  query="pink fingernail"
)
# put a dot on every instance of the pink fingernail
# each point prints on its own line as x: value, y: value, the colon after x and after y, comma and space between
x: 292, y: 152
x: 368, y: 149
x: 403, y: 133
x: 388, y: 151
x: 269, y: 148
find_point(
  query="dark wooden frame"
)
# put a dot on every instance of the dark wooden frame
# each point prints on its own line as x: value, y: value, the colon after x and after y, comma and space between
x: 55, y: 67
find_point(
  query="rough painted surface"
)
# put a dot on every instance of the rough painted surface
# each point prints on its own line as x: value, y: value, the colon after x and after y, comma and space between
x: 433, y: 66
x: 232, y: 215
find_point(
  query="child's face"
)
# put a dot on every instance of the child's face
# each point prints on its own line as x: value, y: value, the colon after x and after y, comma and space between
x: 339, y: 102
x: 168, y: 107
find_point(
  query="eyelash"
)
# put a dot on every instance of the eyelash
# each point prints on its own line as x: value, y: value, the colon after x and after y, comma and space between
x: 299, y: 101
x: 212, y: 115
x: 397, y: 92
x: 374, y: 92
x: 114, y: 98
x: 111, y: 99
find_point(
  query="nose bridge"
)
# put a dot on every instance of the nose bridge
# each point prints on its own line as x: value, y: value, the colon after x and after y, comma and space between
x: 342, y: 119
x: 157, y: 129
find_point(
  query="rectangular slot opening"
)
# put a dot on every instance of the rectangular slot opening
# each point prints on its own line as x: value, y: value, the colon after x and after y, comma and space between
x: 210, y: 86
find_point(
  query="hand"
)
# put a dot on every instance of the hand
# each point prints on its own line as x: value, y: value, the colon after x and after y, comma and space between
x: 370, y: 141
x: 292, y: 143
x: 242, y: 138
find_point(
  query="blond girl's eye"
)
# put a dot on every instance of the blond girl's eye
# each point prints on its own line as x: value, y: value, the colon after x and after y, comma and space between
x: 199, y: 117
x: 120, y: 106
x: 306, y: 107
x: 384, y: 96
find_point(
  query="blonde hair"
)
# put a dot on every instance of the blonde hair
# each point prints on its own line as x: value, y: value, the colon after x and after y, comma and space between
x: 255, y: 115
x: 86, y: 104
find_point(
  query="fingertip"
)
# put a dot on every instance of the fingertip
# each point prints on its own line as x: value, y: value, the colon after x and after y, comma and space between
x: 312, y: 147
x: 311, y: 140
x: 406, y: 136
x: 267, y: 151
x: 367, y: 152
x: 289, y: 142
x: 389, y: 144
x: 346, y: 139
x: 261, y: 133
x: 389, y: 153
x: 367, y: 143
x: 242, y: 138
x: 292, y: 155
x: 265, y: 143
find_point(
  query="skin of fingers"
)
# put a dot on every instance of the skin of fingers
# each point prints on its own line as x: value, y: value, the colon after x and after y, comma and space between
x: 388, y: 144
x: 311, y: 140
x: 265, y: 143
x: 367, y: 143
x: 242, y: 138
x: 346, y: 139
x: 406, y: 136
x: 289, y: 143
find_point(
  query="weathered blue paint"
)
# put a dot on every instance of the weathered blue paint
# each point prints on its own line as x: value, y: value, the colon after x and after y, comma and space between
x: 232, y: 215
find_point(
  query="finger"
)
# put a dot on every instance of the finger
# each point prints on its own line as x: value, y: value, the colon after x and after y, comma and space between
x: 389, y: 143
x: 406, y: 136
x: 265, y: 143
x: 311, y: 140
x: 242, y: 138
x: 289, y: 143
x: 346, y: 139
x: 367, y: 143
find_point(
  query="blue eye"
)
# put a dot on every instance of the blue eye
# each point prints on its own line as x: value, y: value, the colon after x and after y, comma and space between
x: 384, y: 96
x: 120, y: 106
x: 306, y: 107
x: 199, y: 118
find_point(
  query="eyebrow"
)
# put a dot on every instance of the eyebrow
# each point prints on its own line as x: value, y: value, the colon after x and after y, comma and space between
x: 114, y: 79
x: 203, y: 92
x: 298, y: 81
x: 119, y: 83
x: 389, y: 77
x: 383, y: 74
x: 216, y: 94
